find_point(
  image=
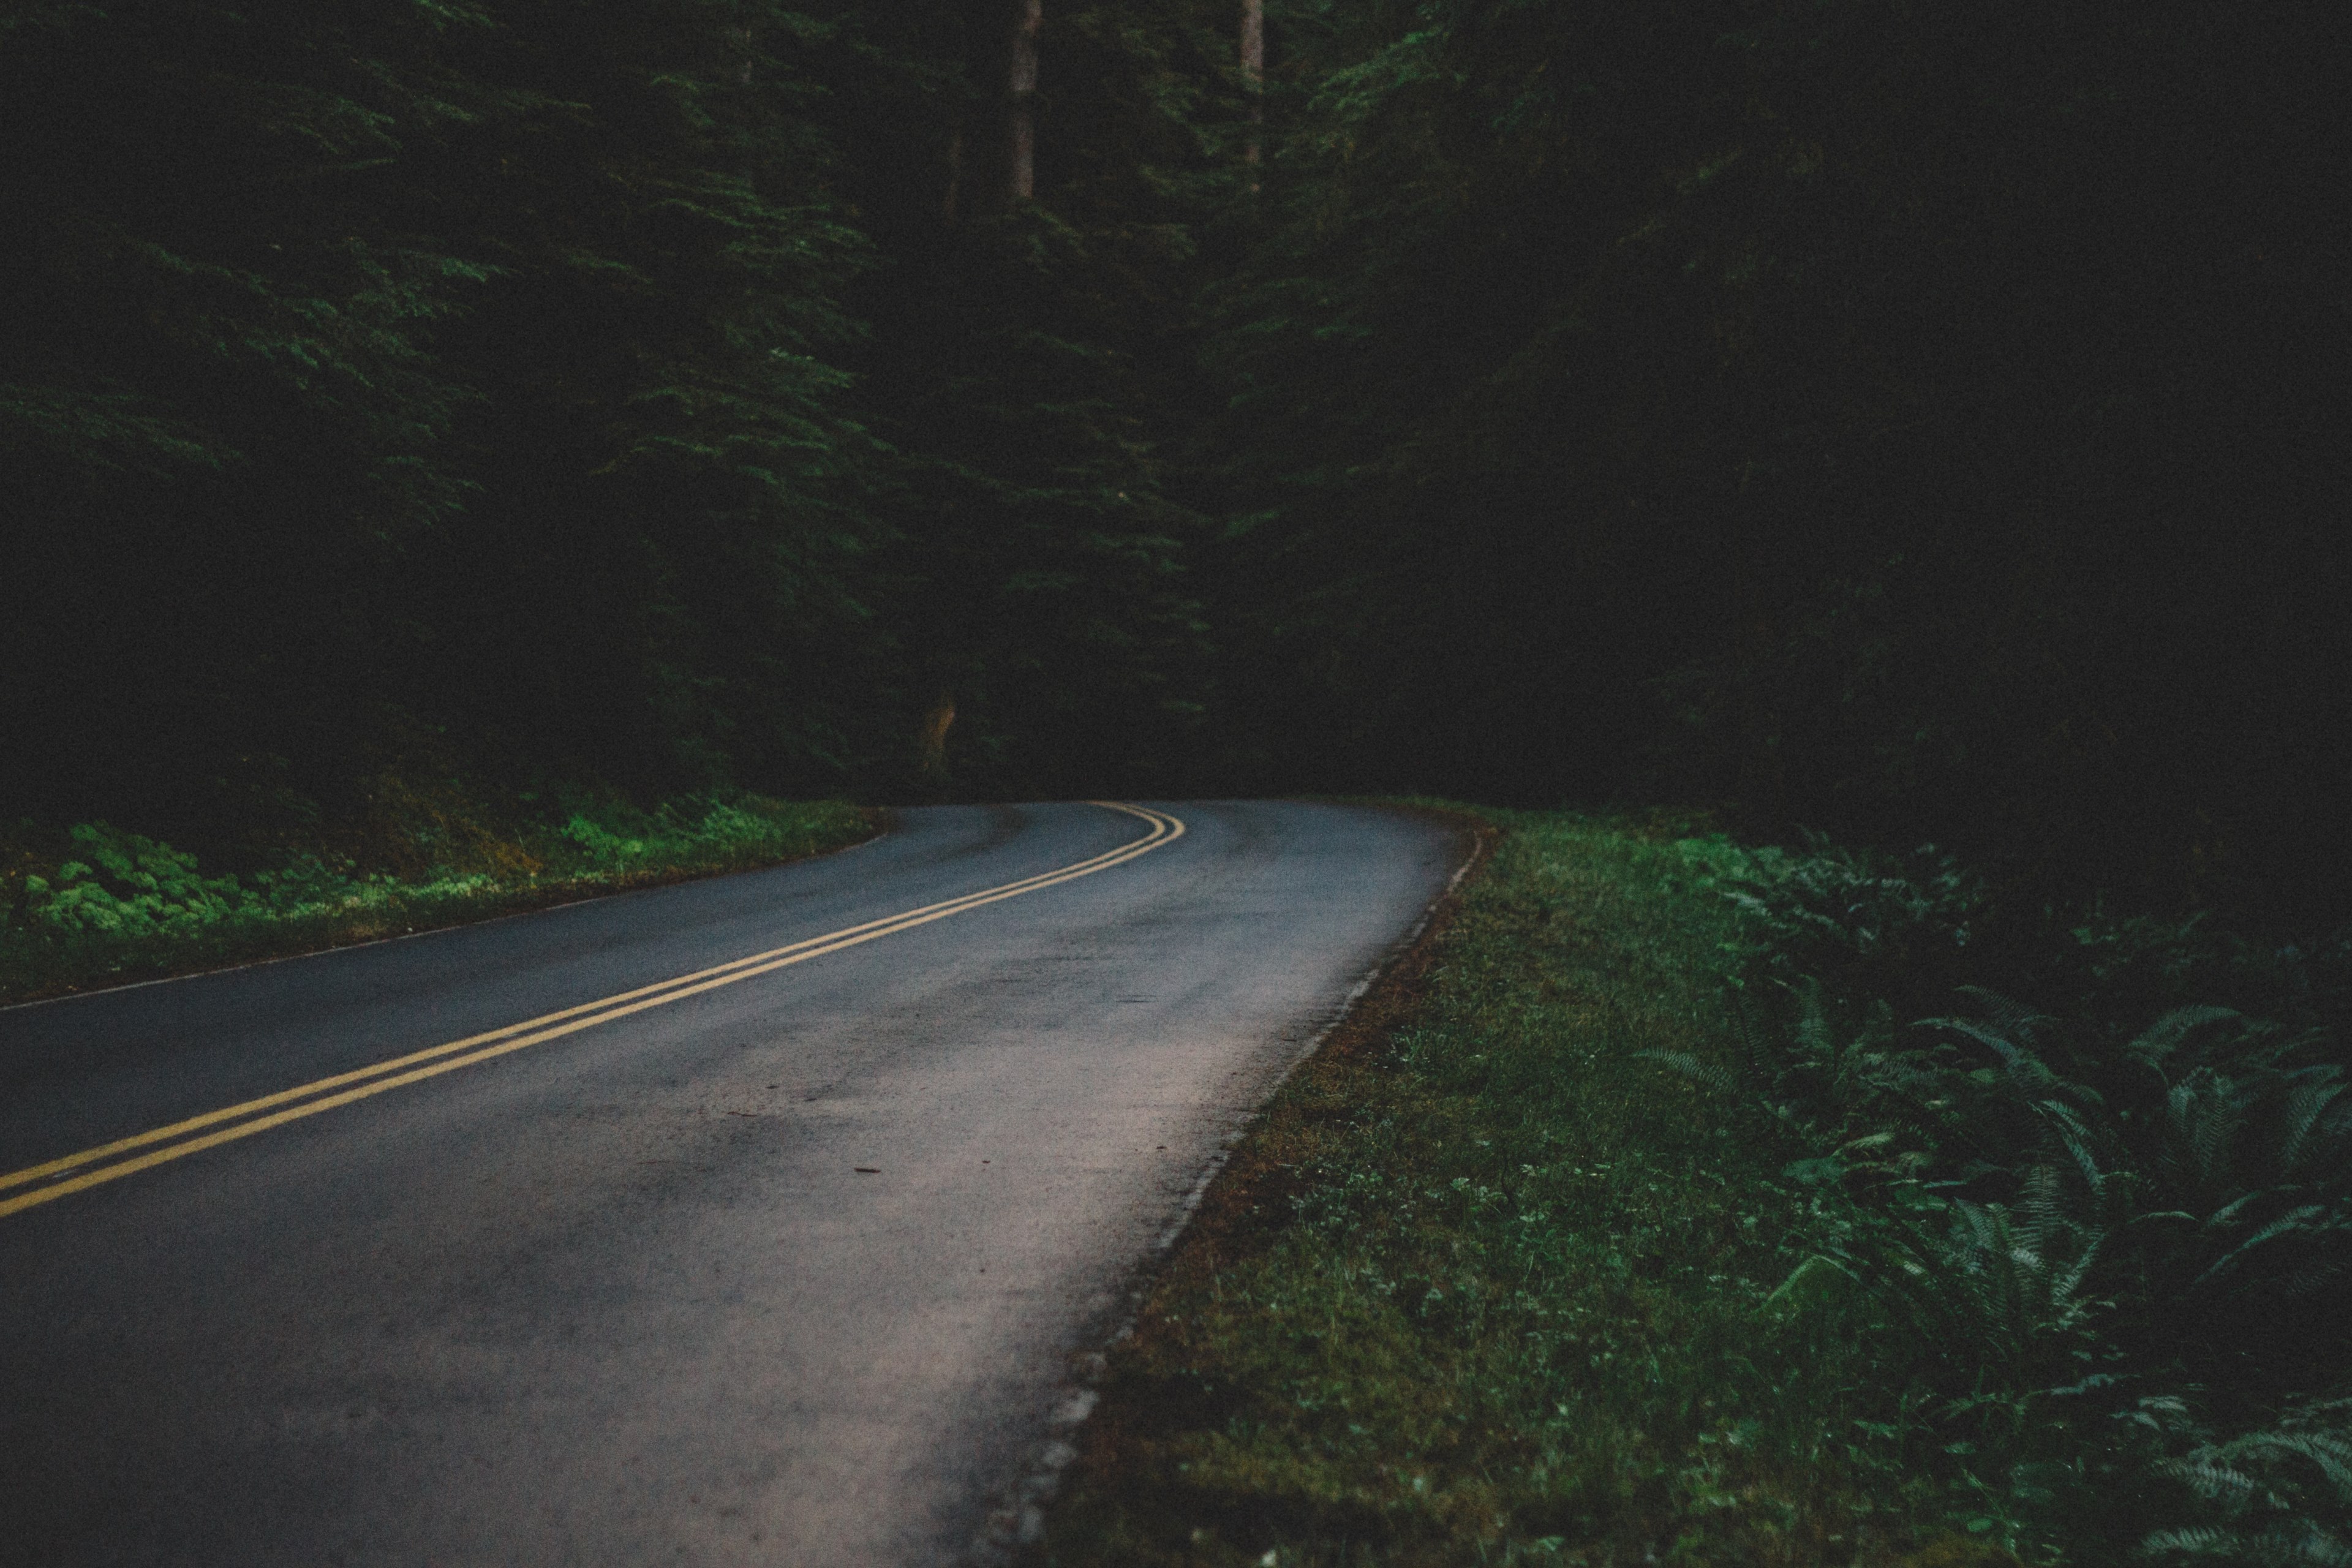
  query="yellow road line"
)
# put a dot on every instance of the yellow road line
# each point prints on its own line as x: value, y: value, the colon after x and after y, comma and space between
x: 1160, y: 834
x: 438, y: 1059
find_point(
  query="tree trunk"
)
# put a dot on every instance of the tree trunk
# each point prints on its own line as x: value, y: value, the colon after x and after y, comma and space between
x: 932, y: 740
x: 1028, y: 18
x: 1254, y: 72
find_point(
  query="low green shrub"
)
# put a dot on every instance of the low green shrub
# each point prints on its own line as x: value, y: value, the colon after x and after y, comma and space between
x: 118, y: 905
x: 131, y: 888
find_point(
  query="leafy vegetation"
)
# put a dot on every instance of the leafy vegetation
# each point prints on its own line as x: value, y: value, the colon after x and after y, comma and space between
x: 107, y: 905
x: 1633, y: 1229
x: 2134, y: 1211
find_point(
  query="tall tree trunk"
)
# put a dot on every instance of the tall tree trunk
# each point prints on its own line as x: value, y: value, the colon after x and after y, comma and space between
x: 1028, y: 17
x: 1254, y: 72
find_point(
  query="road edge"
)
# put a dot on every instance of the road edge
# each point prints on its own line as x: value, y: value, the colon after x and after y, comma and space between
x: 1385, y: 995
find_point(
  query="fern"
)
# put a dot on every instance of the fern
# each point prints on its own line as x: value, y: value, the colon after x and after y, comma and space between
x: 1708, y: 1075
x: 2280, y: 1496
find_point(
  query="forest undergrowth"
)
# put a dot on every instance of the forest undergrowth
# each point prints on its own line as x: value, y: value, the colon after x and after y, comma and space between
x: 1643, y: 1224
x: 93, y: 905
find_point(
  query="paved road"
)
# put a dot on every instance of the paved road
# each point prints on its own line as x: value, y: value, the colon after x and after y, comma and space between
x: 789, y: 1268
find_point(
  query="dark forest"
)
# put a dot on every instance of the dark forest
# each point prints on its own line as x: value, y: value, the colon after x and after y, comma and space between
x: 1908, y: 421
x: 1851, y: 491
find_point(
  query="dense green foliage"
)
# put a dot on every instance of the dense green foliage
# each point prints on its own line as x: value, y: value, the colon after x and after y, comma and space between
x: 1641, y: 1235
x: 1905, y: 419
x: 103, y: 906
x: 2120, y: 1216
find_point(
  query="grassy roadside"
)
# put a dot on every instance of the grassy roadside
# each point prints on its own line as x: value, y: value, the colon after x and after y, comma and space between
x: 97, y: 906
x: 1488, y: 1286
x: 1682, y: 1203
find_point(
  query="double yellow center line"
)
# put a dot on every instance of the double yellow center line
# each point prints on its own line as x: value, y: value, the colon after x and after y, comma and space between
x: 107, y: 1162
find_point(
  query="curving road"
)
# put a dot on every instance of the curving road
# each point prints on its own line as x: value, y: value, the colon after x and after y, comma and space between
x: 755, y: 1220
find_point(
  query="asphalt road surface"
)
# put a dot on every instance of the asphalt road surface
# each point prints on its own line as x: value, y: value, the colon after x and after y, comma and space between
x: 738, y: 1222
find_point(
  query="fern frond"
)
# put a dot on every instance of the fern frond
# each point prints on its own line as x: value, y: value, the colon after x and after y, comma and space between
x: 2198, y: 1541
x: 2305, y: 1107
x: 2068, y: 1280
x: 2038, y: 1200
x: 2299, y: 1545
x: 2208, y: 1476
x: 2329, y: 1453
x: 2293, y: 1221
x: 2026, y: 1071
x: 1708, y: 1074
x: 2204, y: 1114
x: 2167, y: 1033
x: 2006, y: 1015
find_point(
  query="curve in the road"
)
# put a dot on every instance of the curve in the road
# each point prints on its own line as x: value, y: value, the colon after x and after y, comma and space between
x: 71, y: 1172
x: 799, y: 1270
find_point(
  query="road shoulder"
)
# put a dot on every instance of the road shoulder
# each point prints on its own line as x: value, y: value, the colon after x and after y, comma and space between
x: 1485, y: 1283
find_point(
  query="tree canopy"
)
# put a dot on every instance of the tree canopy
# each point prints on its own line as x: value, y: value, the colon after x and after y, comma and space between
x: 1909, y: 418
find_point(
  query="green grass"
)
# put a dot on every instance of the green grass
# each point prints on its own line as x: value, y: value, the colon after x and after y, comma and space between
x: 100, y: 906
x: 1486, y: 1285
